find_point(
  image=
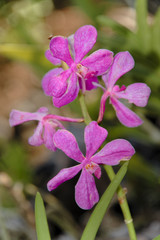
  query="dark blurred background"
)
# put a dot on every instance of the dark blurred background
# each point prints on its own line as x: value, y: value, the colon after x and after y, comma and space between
x: 25, y: 26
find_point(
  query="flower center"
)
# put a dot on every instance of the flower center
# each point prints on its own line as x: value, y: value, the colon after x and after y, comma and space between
x: 93, y: 168
x: 81, y: 70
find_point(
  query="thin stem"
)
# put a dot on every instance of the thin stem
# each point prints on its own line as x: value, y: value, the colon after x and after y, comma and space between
x: 123, y: 204
x: 87, y: 118
x: 120, y: 191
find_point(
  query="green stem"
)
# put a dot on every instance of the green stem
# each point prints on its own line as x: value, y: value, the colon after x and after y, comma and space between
x: 121, y: 193
x: 123, y: 204
x: 87, y: 118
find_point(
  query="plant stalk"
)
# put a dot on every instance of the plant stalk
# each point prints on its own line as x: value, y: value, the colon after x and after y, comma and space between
x: 121, y: 193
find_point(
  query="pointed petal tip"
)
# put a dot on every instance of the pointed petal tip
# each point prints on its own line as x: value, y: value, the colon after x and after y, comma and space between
x: 49, y: 187
x: 84, y: 39
x: 86, y: 194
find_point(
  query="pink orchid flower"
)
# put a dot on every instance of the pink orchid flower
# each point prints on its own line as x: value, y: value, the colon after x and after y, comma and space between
x: 64, y: 85
x: 46, y: 128
x: 86, y: 194
x: 137, y: 93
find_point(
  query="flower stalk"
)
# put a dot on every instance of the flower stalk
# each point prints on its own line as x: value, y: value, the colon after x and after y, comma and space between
x: 121, y: 193
x: 87, y: 118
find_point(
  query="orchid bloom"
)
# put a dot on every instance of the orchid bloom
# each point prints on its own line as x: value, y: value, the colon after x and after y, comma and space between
x: 46, y: 127
x: 64, y: 85
x: 86, y: 194
x: 137, y: 93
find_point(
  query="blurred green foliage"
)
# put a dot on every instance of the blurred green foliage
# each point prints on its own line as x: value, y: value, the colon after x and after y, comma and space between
x: 22, y: 34
x: 14, y: 162
x: 23, y: 38
x: 22, y: 30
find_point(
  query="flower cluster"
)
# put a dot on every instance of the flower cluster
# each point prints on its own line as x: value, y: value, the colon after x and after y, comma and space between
x: 63, y: 85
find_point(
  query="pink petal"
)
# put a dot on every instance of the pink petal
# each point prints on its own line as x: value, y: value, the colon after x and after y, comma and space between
x: 49, y: 131
x: 137, y: 93
x: 64, y: 175
x: 99, y: 61
x: 123, y: 63
x: 60, y: 49
x: 52, y: 59
x: 48, y: 77
x: 18, y: 117
x: 58, y: 84
x: 43, y: 110
x: 125, y: 115
x: 65, y: 141
x: 94, y: 136
x: 70, y: 94
x: 71, y: 45
x: 36, y: 139
x: 105, y: 78
x: 61, y: 118
x: 84, y: 39
x: 86, y: 194
x: 114, y: 152
x: 102, y: 106
x: 90, y: 83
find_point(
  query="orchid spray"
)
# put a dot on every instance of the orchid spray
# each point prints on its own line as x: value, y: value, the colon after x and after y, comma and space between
x: 82, y: 74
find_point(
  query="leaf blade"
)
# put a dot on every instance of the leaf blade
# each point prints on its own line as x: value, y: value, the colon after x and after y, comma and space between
x: 41, y: 220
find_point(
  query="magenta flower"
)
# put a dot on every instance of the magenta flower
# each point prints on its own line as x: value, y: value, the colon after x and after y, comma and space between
x: 137, y: 93
x: 46, y: 128
x: 64, y: 85
x: 86, y: 194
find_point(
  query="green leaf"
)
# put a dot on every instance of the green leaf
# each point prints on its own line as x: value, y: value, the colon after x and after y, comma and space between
x: 157, y: 238
x: 143, y: 32
x: 101, y: 208
x: 41, y: 220
x: 156, y: 33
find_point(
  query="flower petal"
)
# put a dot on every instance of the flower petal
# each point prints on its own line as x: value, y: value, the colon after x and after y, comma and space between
x: 102, y: 106
x: 60, y: 49
x: 52, y: 59
x: 137, y: 93
x: 123, y: 63
x: 125, y: 115
x: 65, y: 141
x: 64, y: 175
x: 18, y: 117
x: 113, y: 152
x: 71, y: 45
x: 48, y: 77
x: 84, y: 39
x: 36, y: 139
x: 70, y: 94
x: 49, y: 131
x: 86, y: 194
x: 99, y: 61
x: 94, y: 136
x: 43, y: 110
x: 58, y: 84
x: 89, y: 83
